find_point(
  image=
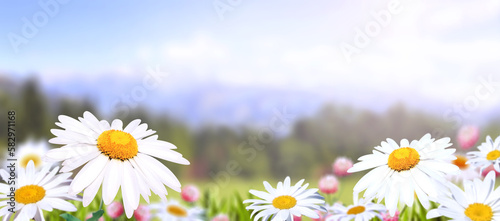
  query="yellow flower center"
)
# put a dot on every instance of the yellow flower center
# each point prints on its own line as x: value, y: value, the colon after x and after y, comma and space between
x: 356, y: 210
x: 177, y: 211
x: 284, y: 202
x: 479, y: 212
x: 29, y: 194
x: 117, y: 144
x: 460, y: 162
x: 403, y: 158
x: 493, y: 155
x: 23, y: 162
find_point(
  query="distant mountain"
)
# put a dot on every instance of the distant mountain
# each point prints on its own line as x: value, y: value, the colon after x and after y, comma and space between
x: 7, y: 84
x: 198, y: 102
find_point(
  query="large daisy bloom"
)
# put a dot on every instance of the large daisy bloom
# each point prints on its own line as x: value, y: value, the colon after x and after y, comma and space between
x: 488, y: 154
x: 114, y: 156
x: 285, y: 201
x: 479, y: 201
x: 173, y: 211
x: 361, y: 210
x: 400, y: 171
x: 35, y: 192
x: 467, y: 171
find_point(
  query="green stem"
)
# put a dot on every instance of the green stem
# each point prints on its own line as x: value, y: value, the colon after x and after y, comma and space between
x: 404, y: 208
x: 100, y: 205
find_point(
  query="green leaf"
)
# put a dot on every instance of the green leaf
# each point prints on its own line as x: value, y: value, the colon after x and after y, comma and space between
x: 206, y: 199
x: 96, y: 215
x: 69, y: 217
x: 214, y: 208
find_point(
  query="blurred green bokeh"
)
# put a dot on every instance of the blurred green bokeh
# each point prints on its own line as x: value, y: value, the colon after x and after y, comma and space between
x: 218, y: 152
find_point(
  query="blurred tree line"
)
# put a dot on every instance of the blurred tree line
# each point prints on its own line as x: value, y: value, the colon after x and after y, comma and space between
x: 307, y: 151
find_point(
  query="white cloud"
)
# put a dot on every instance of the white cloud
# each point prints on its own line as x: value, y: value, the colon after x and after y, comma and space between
x: 446, y: 15
x: 201, y: 50
x: 417, y: 53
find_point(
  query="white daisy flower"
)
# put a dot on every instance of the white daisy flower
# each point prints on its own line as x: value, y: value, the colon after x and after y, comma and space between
x: 285, y: 201
x: 31, y: 151
x: 173, y: 211
x: 35, y: 192
x: 488, y: 154
x: 467, y: 172
x: 402, y: 170
x: 362, y: 210
x: 479, y: 202
x: 114, y: 156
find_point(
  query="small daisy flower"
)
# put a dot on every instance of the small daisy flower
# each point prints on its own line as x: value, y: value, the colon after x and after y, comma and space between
x: 35, y: 192
x: 328, y: 184
x: 361, y: 210
x: 467, y: 172
x: 285, y: 201
x: 488, y: 154
x: 467, y: 136
x: 31, y: 151
x: 400, y: 171
x: 113, y: 156
x: 173, y: 211
x: 479, y: 201
x: 341, y: 165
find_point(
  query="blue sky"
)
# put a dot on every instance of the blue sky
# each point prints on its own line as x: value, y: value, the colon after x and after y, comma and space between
x: 101, y: 34
x: 428, y: 53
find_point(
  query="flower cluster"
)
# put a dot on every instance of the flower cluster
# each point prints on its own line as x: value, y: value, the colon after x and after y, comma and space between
x: 400, y: 174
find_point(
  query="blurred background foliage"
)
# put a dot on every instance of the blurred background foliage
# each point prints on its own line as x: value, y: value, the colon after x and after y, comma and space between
x: 314, y: 141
